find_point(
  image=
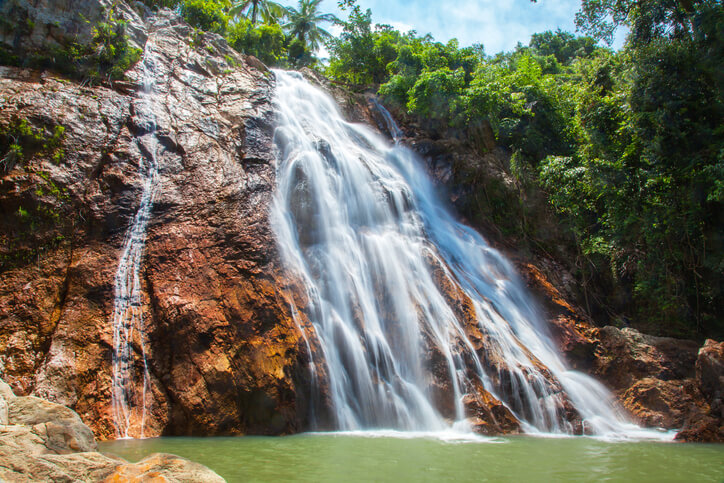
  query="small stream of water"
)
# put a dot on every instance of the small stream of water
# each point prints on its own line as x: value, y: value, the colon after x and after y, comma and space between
x: 128, y: 405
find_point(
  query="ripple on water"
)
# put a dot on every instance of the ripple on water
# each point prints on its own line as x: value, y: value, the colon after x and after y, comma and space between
x: 395, y: 457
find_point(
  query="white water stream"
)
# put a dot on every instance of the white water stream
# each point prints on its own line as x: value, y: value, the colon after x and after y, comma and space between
x: 359, y: 220
x: 129, y: 405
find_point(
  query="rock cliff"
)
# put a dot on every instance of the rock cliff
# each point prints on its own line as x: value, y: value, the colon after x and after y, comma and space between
x: 224, y: 352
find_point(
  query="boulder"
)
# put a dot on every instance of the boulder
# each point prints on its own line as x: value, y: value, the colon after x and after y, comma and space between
x: 663, y: 404
x: 624, y: 356
x: 60, y: 427
x: 702, y: 428
x: 3, y: 411
x: 708, y: 426
x: 6, y: 392
x: 6, y: 395
x: 48, y: 442
x: 164, y: 467
x: 19, y: 466
x: 710, y: 370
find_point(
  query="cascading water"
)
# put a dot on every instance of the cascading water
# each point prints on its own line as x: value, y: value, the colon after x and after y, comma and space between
x: 127, y: 319
x: 388, y: 272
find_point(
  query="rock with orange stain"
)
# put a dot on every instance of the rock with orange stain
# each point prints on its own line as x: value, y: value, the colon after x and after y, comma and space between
x: 224, y: 353
x: 163, y: 468
x: 487, y: 415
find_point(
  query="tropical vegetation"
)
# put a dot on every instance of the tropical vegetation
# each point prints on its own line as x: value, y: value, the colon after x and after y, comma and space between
x: 279, y: 36
x: 628, y: 146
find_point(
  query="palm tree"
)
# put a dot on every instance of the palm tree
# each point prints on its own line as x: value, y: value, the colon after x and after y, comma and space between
x: 270, y: 11
x: 303, y: 23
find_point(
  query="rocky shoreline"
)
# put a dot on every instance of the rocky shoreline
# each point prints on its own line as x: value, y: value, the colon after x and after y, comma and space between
x: 44, y: 441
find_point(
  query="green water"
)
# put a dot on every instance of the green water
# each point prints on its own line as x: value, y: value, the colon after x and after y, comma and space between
x: 346, y: 458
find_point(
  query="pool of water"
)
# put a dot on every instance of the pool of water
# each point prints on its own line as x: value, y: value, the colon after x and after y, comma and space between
x: 324, y: 457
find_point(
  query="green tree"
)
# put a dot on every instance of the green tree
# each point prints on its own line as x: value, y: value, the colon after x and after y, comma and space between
x: 361, y: 54
x: 270, y: 11
x: 564, y: 46
x: 265, y: 42
x: 643, y: 188
x: 303, y: 23
x: 647, y: 19
x: 208, y: 15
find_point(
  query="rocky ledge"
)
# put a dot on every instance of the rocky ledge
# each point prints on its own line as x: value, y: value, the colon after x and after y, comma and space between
x: 44, y: 441
x: 661, y: 381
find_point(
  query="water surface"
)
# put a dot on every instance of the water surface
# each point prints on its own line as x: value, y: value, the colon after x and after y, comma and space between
x: 344, y: 457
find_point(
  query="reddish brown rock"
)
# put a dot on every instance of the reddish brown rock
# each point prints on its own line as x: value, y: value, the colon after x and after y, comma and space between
x: 487, y: 415
x: 702, y: 428
x: 708, y: 426
x: 710, y: 370
x: 624, y: 356
x: 571, y: 330
x: 225, y: 353
x: 663, y: 404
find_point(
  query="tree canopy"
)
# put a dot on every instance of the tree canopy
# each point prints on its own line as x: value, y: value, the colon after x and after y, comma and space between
x: 628, y: 146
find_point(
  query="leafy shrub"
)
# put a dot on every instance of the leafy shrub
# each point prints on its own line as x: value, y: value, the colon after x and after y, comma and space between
x: 265, y: 42
x: 20, y: 141
x: 208, y: 15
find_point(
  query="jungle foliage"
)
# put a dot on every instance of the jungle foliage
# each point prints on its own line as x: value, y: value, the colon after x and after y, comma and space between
x: 627, y: 145
x: 278, y: 36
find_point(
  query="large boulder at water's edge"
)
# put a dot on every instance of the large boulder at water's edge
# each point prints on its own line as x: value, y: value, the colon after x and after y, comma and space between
x: 662, y: 382
x: 708, y: 426
x: 44, y: 441
x: 61, y: 427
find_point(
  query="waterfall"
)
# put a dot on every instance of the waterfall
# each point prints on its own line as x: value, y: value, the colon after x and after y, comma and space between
x: 412, y: 311
x: 127, y: 318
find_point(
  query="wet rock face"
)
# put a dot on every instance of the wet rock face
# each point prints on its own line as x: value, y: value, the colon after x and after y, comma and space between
x: 708, y: 426
x: 222, y: 347
x: 35, y: 27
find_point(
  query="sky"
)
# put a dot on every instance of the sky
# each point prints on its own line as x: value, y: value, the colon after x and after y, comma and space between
x: 497, y: 24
